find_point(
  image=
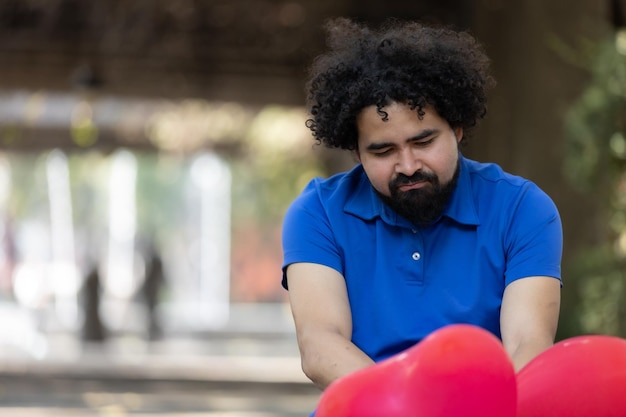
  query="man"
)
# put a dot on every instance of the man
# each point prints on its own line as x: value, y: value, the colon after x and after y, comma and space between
x: 415, y: 236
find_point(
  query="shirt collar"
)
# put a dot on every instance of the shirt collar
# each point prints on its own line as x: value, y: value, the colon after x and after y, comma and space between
x: 365, y: 203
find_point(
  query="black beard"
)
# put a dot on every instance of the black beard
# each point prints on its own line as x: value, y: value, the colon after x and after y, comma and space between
x: 424, y: 205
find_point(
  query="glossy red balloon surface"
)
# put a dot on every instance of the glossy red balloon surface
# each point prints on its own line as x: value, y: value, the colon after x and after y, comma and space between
x: 457, y: 371
x: 583, y: 376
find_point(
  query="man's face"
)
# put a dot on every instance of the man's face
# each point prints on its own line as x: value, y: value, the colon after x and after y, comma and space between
x: 411, y: 163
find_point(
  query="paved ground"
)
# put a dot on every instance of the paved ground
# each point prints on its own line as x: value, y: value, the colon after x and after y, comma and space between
x: 161, y: 385
x: 234, y: 373
x: 62, y: 396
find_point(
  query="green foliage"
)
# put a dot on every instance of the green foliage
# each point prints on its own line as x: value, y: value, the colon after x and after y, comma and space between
x: 265, y: 184
x: 160, y: 183
x: 595, y: 125
x: 275, y: 165
x: 595, y: 162
x: 28, y: 186
x: 599, y: 278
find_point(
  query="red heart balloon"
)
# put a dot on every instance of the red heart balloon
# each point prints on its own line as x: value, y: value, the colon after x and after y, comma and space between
x: 458, y: 370
x: 584, y: 376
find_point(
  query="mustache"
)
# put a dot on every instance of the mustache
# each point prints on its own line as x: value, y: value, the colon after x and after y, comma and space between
x: 419, y: 176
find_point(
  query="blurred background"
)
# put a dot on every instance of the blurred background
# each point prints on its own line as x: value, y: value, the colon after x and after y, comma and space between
x: 149, y: 148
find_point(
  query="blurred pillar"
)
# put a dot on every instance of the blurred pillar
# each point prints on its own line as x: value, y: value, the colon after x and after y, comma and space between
x: 212, y: 176
x: 7, y: 238
x: 63, y: 272
x: 120, y: 280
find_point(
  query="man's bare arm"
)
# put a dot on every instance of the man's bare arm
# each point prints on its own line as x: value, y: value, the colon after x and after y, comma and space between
x: 321, y: 311
x: 529, y: 317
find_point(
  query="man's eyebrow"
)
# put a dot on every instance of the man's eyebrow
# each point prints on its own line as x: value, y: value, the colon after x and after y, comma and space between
x: 422, y: 135
x: 377, y: 146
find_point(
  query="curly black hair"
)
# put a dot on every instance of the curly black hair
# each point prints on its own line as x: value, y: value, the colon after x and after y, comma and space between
x: 401, y: 61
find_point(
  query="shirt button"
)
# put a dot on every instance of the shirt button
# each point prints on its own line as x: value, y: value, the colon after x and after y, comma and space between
x: 416, y: 256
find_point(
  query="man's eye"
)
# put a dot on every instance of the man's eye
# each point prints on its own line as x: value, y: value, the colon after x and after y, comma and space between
x: 424, y: 142
x: 383, y: 153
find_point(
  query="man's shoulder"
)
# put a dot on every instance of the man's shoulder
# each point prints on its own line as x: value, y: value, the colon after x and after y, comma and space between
x: 491, y: 173
x: 337, y: 186
x: 491, y: 183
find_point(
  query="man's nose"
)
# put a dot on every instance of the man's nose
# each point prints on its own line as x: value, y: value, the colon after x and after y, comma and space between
x: 408, y: 162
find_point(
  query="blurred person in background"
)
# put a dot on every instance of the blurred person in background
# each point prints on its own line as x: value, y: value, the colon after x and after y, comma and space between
x: 416, y: 236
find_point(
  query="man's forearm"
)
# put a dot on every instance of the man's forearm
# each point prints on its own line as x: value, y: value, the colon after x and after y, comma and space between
x: 329, y: 356
x: 527, y: 351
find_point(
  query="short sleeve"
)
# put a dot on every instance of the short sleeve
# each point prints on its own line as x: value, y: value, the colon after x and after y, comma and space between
x: 534, y: 239
x: 307, y: 234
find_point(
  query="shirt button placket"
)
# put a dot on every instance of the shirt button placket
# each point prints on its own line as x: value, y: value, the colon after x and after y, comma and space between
x: 417, y: 256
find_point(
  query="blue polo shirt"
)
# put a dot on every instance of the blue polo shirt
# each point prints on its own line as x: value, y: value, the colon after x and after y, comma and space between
x: 403, y: 281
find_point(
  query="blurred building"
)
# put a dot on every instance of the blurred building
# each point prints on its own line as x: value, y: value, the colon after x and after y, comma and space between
x: 175, y: 128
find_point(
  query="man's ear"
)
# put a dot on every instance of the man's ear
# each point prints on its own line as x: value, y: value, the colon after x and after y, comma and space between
x: 356, y: 154
x: 458, y: 132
